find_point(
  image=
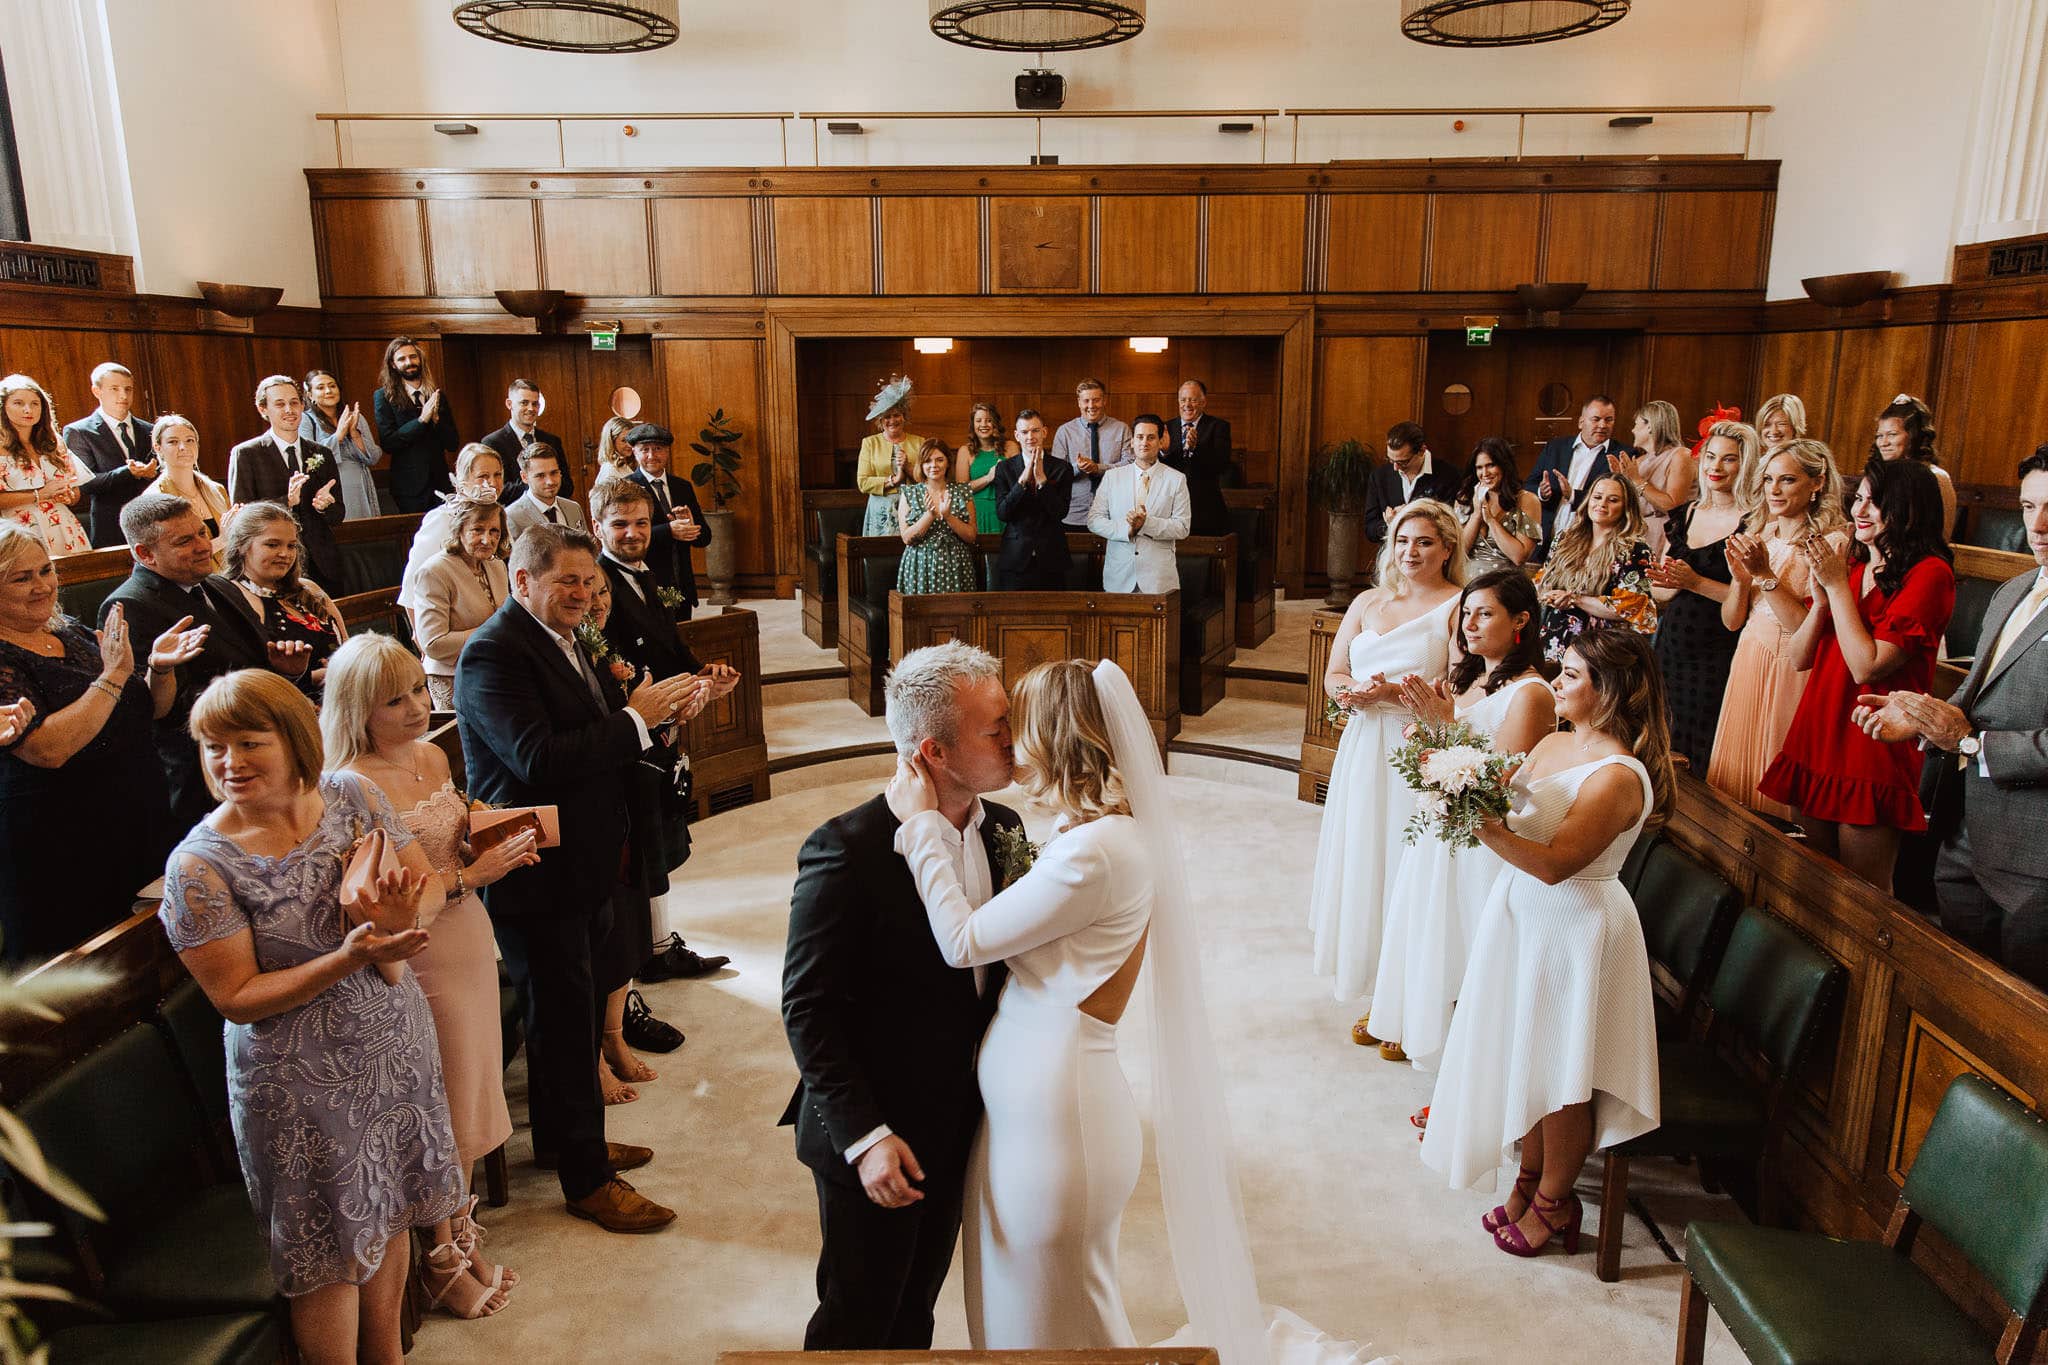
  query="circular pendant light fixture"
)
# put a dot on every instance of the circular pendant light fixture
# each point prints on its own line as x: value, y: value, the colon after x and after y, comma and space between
x: 573, y: 25
x: 1037, y: 25
x: 1506, y: 23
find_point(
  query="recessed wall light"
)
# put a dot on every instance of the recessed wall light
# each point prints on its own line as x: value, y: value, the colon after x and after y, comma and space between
x: 932, y: 345
x: 1148, y: 345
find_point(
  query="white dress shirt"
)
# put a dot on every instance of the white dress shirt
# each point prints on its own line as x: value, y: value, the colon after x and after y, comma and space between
x: 1421, y: 471
x: 970, y: 860
x: 1583, y: 456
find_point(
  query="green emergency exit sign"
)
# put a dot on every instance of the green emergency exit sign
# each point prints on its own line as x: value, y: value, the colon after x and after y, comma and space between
x: 604, y: 341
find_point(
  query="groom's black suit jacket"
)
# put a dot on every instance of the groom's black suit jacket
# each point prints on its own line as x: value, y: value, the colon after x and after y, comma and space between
x: 883, y: 1030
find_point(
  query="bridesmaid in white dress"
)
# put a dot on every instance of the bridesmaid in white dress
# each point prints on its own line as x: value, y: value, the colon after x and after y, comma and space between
x: 1554, y: 1043
x: 1394, y: 631
x: 1434, y: 907
x: 1060, y: 1147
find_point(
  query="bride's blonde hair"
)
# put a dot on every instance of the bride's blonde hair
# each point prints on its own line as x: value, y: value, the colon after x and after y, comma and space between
x: 1062, y: 739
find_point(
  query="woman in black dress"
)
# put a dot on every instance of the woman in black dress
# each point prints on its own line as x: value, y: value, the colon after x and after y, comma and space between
x: 1693, y: 648
x: 84, y: 807
x: 263, y: 560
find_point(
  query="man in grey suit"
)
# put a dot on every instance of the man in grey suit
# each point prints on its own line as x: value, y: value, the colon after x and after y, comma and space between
x: 1986, y: 781
x: 540, y: 469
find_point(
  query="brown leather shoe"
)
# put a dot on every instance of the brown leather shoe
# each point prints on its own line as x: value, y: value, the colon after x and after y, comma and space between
x: 618, y: 1207
x: 624, y: 1156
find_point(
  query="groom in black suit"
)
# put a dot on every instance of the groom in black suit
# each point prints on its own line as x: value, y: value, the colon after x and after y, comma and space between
x: 884, y: 1032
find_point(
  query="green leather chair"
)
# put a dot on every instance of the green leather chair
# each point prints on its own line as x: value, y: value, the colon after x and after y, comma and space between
x: 224, y: 1339
x: 1639, y: 854
x: 1981, y: 1179
x: 198, y: 1035
x: 1770, y: 995
x: 1687, y: 912
x: 178, y: 1242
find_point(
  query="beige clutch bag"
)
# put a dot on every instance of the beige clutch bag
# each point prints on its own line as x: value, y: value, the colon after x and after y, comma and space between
x: 374, y: 858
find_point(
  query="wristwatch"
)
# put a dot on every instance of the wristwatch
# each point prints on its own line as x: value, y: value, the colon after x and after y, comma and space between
x: 1767, y: 584
x: 1969, y: 746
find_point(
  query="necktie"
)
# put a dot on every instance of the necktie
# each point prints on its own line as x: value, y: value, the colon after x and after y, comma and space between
x: 589, y: 674
x: 1095, y: 443
x: 1187, y: 438
x: 126, y: 440
x: 291, y: 459
x: 549, y: 513
x: 525, y: 439
x: 2017, y: 624
x: 660, y: 487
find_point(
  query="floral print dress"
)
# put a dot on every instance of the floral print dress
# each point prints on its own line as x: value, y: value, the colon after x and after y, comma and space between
x: 1627, y: 593
x: 54, y: 523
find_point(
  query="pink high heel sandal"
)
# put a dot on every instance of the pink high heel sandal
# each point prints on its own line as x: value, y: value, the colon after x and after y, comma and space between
x: 1511, y: 1240
x: 1498, y: 1219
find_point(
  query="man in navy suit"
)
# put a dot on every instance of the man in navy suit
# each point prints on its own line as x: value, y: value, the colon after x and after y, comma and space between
x: 523, y: 402
x: 1198, y: 445
x: 678, y: 520
x: 1569, y: 465
x: 298, y: 471
x: 1412, y: 471
x: 115, y: 445
x: 542, y: 726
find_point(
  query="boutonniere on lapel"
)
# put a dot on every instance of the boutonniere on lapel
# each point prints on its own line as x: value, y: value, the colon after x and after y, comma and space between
x: 317, y: 463
x: 592, y: 639
x: 672, y: 598
x: 1015, y: 853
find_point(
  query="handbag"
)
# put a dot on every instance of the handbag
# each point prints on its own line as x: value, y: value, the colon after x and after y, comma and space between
x: 373, y: 859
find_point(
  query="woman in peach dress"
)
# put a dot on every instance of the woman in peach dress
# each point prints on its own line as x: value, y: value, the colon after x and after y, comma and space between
x: 1802, y: 497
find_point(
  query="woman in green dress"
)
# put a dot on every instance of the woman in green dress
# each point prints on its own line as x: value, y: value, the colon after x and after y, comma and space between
x: 936, y: 519
x: 985, y: 448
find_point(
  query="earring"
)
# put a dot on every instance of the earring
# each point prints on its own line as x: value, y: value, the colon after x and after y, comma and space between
x: 1518, y: 637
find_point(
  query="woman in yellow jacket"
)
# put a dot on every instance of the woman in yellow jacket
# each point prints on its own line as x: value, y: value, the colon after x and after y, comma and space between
x: 888, y: 459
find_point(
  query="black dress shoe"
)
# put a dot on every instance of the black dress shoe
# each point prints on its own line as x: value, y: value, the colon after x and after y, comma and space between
x: 675, y: 958
x: 644, y: 1031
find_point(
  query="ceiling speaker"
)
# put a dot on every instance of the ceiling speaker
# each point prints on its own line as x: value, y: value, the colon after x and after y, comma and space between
x: 1041, y: 90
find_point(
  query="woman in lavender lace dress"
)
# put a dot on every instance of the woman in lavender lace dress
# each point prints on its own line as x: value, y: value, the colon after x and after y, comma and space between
x: 373, y: 722
x: 334, y: 1070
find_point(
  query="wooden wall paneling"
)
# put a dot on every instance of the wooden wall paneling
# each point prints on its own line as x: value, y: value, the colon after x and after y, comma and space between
x: 576, y: 386
x: 1483, y: 241
x: 1994, y: 408
x: 1801, y: 364
x: 1148, y: 243
x: 932, y: 245
x: 481, y: 245
x: 1876, y: 365
x: 1483, y: 371
x: 282, y: 355
x: 1041, y: 244
x: 704, y: 246
x: 1363, y: 385
x: 1257, y: 244
x: 1609, y: 240
x: 700, y: 376
x: 1375, y: 242
x: 1695, y: 373
x: 596, y: 247
x: 373, y: 248
x: 1558, y: 370
x: 824, y: 245
x: 1714, y: 239
x: 209, y: 379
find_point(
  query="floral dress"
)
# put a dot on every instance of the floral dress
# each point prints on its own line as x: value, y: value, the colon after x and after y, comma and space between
x: 340, y: 1118
x: 1627, y: 593
x: 939, y: 561
x: 53, y: 522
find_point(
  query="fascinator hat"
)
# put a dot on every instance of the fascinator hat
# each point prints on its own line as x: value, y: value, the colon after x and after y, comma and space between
x: 893, y: 395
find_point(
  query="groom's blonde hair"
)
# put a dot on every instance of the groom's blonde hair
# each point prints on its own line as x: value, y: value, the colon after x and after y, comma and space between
x: 1064, y: 755
x: 922, y: 694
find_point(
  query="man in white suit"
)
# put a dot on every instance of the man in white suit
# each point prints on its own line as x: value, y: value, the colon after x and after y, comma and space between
x: 1142, y: 509
x: 540, y: 468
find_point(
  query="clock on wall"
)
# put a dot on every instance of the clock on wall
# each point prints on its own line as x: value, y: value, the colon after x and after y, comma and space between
x: 1041, y: 244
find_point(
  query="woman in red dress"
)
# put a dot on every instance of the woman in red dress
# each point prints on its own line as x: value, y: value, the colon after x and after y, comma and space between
x: 1876, y: 625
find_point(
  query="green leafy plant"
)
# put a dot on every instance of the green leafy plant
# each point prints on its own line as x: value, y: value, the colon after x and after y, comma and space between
x: 1342, y: 476
x: 718, y: 443
x: 37, y: 997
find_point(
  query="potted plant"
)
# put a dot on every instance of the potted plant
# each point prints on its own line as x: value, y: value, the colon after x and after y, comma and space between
x: 1340, y: 481
x: 717, y: 447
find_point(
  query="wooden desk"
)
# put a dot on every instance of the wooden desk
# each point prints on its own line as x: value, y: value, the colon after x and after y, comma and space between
x: 727, y: 744
x: 1139, y: 631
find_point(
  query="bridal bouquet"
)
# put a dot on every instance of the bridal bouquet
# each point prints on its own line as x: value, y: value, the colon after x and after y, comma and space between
x: 1458, y: 780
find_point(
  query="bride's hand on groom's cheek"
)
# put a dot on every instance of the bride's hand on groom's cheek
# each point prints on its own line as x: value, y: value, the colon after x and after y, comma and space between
x: 886, y: 1170
x: 911, y: 790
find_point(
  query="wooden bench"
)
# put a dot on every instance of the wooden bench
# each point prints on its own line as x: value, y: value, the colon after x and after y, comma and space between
x: 828, y: 513
x: 1140, y: 632
x: 1319, y: 735
x: 1254, y: 520
x: 1208, y: 606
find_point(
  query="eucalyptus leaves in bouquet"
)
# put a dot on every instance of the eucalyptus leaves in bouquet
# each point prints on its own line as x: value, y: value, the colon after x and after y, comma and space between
x: 1458, y: 780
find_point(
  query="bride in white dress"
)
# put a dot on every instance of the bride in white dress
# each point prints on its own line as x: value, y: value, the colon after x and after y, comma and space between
x: 1434, y: 906
x: 1401, y: 628
x: 1060, y: 1147
x: 1554, y: 1043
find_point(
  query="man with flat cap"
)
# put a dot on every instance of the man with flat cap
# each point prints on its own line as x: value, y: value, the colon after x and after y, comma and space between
x: 678, y: 520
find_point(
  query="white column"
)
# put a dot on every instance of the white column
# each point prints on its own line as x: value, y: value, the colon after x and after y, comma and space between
x: 74, y: 169
x: 2005, y: 189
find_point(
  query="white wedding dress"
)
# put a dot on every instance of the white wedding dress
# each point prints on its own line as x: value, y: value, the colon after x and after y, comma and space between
x: 1432, y: 915
x: 1555, y: 1007
x: 1060, y: 1147
x: 1359, y: 850
x: 1059, y: 1151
